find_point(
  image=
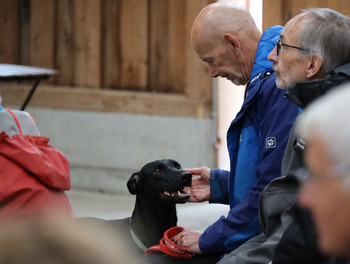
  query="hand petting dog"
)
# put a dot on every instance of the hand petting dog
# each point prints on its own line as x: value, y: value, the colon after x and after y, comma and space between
x: 200, y: 188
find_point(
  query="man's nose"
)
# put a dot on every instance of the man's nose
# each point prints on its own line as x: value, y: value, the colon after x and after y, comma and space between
x: 273, y: 55
x: 213, y: 72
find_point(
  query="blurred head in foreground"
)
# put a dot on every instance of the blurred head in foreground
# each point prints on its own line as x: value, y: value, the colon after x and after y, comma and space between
x: 326, y: 190
x: 33, y: 241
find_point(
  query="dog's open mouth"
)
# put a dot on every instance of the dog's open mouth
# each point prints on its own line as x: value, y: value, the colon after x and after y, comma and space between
x: 179, y: 196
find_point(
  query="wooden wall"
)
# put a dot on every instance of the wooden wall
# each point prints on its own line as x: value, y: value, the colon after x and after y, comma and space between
x: 279, y: 12
x: 138, y: 46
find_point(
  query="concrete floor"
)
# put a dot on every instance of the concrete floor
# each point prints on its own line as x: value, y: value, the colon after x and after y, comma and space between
x: 195, y: 216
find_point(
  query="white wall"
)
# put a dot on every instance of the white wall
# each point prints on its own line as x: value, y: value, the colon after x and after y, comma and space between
x: 230, y: 98
x: 104, y: 149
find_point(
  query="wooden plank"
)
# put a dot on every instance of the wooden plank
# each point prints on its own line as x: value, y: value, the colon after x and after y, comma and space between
x: 110, y: 44
x: 64, y: 52
x: 106, y: 101
x: 42, y: 30
x: 292, y: 7
x: 87, y: 43
x: 286, y: 11
x: 272, y: 13
x: 178, y: 35
x: 167, y: 45
x: 9, y: 26
x: 344, y: 7
x: 334, y: 4
x: 134, y: 44
x: 159, y: 49
x: 42, y: 34
x: 24, y: 32
x: 197, y: 79
x: 340, y: 6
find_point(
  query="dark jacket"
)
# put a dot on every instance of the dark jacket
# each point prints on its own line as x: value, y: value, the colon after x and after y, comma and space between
x: 298, y: 243
x: 288, y: 232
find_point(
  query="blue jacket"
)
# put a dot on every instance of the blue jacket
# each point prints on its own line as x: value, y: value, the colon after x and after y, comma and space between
x: 256, y: 141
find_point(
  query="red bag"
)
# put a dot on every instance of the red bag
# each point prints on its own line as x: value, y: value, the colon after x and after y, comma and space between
x: 33, y: 176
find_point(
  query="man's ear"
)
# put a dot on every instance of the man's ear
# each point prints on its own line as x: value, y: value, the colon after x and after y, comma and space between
x: 134, y: 183
x: 315, y: 68
x: 234, y: 42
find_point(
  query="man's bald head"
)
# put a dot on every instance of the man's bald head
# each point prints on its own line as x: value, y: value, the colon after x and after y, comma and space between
x: 219, y: 18
x: 225, y: 36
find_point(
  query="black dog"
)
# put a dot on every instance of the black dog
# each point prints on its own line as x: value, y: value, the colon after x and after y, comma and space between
x: 158, y: 187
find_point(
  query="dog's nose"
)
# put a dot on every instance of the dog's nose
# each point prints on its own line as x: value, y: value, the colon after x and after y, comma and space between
x: 185, y: 176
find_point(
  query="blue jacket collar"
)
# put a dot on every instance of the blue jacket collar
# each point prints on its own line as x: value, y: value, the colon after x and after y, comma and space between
x: 266, y: 44
x: 261, y: 65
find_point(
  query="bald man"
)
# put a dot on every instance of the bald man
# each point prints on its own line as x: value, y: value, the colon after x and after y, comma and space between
x: 226, y: 38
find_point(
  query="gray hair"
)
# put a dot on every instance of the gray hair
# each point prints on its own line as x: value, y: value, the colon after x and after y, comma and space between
x: 326, y: 33
x: 329, y: 119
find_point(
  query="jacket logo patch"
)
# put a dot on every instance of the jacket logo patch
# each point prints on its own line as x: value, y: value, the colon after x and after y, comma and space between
x: 270, y: 142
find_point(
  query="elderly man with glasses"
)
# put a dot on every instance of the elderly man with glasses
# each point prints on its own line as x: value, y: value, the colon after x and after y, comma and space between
x: 311, y: 58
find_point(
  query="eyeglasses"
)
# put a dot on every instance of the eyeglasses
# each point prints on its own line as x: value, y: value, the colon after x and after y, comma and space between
x: 280, y: 44
x: 338, y: 170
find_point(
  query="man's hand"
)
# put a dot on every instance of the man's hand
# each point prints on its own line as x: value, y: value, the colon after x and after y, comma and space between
x: 188, y: 239
x: 200, y: 189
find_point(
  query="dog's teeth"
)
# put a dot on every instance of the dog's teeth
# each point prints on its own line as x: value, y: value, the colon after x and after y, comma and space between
x: 179, y: 193
x: 166, y: 193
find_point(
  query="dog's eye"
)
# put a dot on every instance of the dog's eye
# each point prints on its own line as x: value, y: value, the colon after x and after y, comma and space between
x: 157, y: 170
x: 177, y: 166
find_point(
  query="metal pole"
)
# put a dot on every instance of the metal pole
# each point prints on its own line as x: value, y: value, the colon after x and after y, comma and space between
x: 30, y: 94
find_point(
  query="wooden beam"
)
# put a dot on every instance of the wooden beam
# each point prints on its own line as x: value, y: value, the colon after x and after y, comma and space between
x: 64, y: 43
x: 111, y: 56
x: 177, y: 40
x: 159, y: 46
x: 134, y: 36
x: 9, y: 28
x: 42, y: 31
x: 197, y: 79
x: 24, y: 32
x: 272, y: 13
x: 87, y: 43
x: 105, y: 101
x: 292, y: 7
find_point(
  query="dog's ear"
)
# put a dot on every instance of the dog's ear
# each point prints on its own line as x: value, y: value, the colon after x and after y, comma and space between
x: 134, y: 183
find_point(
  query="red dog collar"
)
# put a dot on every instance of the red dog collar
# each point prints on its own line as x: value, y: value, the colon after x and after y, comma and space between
x: 167, y: 245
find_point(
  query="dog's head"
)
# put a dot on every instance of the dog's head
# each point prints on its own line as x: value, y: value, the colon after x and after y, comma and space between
x: 163, y: 179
